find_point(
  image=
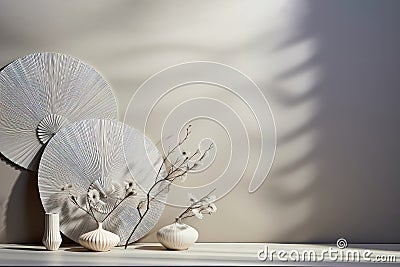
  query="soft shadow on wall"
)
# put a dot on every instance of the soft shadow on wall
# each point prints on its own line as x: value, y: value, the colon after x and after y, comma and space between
x: 355, y: 127
x: 23, y: 213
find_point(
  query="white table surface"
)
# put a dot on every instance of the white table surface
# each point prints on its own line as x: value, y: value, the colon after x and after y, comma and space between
x: 198, y: 254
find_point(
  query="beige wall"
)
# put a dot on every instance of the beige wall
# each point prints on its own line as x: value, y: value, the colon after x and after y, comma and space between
x: 330, y: 70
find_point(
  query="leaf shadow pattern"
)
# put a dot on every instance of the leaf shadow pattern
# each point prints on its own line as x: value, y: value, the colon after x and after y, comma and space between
x: 354, y: 127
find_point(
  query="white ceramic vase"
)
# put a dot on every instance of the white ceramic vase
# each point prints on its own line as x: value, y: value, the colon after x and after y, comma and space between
x: 99, y: 239
x: 177, y: 236
x: 51, y: 237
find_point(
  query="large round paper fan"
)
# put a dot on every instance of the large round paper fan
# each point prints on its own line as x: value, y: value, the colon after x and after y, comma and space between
x: 107, y: 157
x: 42, y: 93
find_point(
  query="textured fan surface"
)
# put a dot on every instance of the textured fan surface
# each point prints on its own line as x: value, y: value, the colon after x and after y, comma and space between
x: 103, y: 155
x: 43, y: 92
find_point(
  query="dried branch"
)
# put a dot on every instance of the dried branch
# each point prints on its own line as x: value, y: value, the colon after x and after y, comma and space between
x: 194, y: 205
x: 178, y: 169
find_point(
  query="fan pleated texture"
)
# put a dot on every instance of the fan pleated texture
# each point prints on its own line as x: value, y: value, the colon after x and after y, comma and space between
x: 104, y: 155
x: 43, y: 92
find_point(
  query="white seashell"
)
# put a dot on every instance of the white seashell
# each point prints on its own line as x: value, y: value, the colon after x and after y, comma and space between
x: 99, y: 239
x: 51, y: 237
x: 177, y: 236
